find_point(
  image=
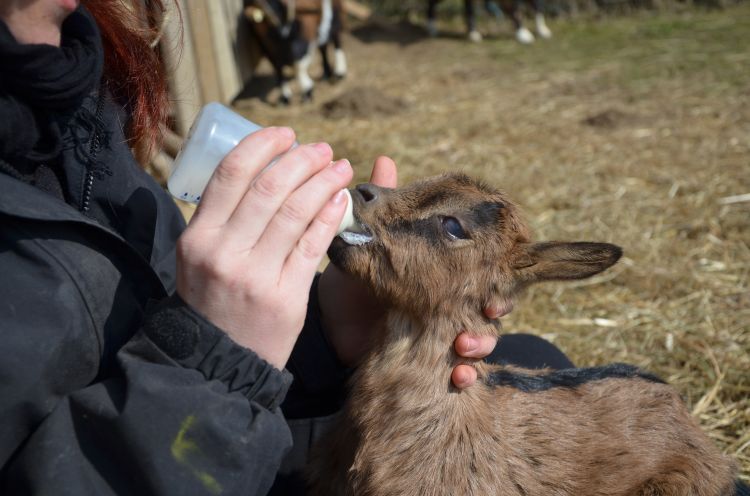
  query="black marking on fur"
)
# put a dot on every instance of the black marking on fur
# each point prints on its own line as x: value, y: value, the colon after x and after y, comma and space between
x: 487, y: 213
x: 423, y: 228
x: 432, y: 199
x: 567, y: 378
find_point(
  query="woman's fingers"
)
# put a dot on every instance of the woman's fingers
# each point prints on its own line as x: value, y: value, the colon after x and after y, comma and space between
x: 384, y: 173
x: 285, y: 231
x: 232, y: 178
x: 271, y: 189
x: 498, y: 309
x: 304, y: 259
x: 463, y: 376
x: 469, y: 346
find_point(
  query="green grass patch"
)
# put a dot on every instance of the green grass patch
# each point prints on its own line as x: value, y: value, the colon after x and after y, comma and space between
x: 647, y: 47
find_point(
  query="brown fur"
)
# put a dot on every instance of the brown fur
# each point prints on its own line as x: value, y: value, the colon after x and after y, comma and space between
x: 407, y: 431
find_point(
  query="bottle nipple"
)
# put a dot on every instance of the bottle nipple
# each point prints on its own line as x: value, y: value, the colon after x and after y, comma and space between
x: 348, y: 223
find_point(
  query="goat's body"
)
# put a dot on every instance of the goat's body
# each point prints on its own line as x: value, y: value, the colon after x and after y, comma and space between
x: 406, y: 432
x: 436, y: 252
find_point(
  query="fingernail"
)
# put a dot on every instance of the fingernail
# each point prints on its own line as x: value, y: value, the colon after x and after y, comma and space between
x: 322, y: 148
x: 288, y: 131
x: 339, y: 197
x: 341, y: 166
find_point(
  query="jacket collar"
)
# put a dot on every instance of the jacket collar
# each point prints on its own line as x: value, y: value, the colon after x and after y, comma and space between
x: 19, y: 199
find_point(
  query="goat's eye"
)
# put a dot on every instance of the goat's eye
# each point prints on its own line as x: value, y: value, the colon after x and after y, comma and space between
x: 453, y: 228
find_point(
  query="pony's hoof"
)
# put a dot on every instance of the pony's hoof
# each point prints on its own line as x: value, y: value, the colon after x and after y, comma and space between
x: 475, y: 36
x: 432, y: 30
x: 284, y: 100
x: 307, y: 96
x: 544, y: 32
x: 524, y: 36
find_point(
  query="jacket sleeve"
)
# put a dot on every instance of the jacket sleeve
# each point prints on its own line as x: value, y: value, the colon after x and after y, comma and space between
x: 314, y: 400
x: 319, y: 386
x: 188, y: 412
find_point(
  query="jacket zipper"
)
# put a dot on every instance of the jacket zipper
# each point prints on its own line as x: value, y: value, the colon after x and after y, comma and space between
x: 88, y: 184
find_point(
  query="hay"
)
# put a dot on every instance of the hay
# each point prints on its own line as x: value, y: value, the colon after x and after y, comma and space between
x: 668, y: 180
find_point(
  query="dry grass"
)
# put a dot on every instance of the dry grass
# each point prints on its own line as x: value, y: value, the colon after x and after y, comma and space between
x: 632, y: 130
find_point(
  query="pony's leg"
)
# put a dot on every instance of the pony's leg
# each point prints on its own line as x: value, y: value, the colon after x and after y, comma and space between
x: 327, y: 71
x: 493, y: 9
x: 340, y: 68
x: 302, y: 68
x: 282, y: 82
x: 471, y: 21
x: 510, y: 9
x: 286, y: 92
x: 339, y: 58
x: 432, y: 18
x: 541, y: 25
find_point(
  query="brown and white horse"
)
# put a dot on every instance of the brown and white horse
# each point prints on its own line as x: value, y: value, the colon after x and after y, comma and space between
x: 508, y: 7
x: 289, y: 31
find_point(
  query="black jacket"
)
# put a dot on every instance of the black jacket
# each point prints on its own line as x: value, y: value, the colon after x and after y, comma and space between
x: 107, y: 384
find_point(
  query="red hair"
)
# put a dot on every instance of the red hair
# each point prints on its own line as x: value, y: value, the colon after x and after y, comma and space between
x: 133, y: 69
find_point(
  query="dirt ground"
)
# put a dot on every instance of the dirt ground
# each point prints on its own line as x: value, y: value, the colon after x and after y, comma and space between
x: 633, y: 130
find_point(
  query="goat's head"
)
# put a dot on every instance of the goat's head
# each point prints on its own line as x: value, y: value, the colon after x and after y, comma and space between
x: 450, y: 242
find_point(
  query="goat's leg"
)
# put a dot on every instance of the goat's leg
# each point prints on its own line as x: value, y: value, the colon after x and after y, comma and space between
x: 471, y: 21
x: 541, y: 25
x: 302, y: 68
x: 432, y: 18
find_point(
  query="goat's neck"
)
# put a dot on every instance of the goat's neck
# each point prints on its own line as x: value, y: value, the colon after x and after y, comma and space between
x: 403, y: 404
x: 417, y: 354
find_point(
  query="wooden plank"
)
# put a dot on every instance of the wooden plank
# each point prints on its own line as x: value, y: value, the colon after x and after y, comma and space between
x: 203, y: 45
x: 161, y: 165
x: 244, y: 47
x: 222, y: 34
x: 184, y: 89
x: 171, y: 142
x: 357, y: 10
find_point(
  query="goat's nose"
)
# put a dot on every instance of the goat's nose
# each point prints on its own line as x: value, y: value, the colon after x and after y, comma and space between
x: 369, y: 192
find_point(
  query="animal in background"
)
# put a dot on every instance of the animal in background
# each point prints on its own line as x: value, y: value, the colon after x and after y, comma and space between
x: 508, y: 7
x: 435, y: 253
x: 288, y: 33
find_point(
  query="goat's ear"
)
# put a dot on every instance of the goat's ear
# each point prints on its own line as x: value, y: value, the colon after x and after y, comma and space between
x: 562, y: 261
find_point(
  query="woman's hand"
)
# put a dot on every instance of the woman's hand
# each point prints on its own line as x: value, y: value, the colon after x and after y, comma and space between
x: 248, y: 257
x: 350, y: 311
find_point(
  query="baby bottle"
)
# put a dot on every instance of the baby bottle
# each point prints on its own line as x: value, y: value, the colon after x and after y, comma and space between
x: 214, y: 133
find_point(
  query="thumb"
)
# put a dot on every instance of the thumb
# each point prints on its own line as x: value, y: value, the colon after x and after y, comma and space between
x: 384, y: 172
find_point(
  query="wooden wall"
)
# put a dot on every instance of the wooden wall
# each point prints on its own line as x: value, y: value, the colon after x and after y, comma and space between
x: 209, y: 55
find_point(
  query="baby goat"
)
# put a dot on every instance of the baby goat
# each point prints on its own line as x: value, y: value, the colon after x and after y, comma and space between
x: 437, y: 252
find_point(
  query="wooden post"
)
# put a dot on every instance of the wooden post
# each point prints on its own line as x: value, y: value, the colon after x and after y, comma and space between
x: 223, y: 32
x: 203, y: 46
x: 181, y: 67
